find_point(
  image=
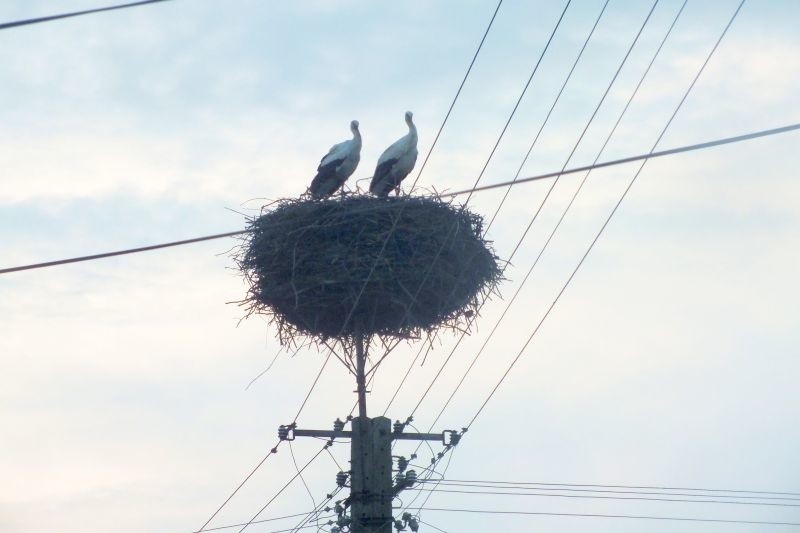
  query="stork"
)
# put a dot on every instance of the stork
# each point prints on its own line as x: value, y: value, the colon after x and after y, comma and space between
x: 337, y: 165
x: 396, y: 162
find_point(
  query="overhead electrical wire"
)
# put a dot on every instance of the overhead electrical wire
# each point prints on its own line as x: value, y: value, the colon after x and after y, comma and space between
x: 547, y: 242
x: 231, y: 526
x: 263, y: 521
x: 438, y: 489
x: 283, y: 488
x: 274, y: 449
x: 519, y: 99
x: 547, y: 195
x: 454, y: 228
x: 499, y: 207
x: 614, y: 489
x: 681, y: 149
x: 603, y: 227
x: 39, y: 20
x: 610, y: 216
x: 596, y: 515
x: 548, y: 115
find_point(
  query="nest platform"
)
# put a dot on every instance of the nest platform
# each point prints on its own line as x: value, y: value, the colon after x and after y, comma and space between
x: 364, y: 266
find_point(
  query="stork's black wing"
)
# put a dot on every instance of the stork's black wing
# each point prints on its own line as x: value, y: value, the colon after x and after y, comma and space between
x: 381, y: 184
x: 325, y: 183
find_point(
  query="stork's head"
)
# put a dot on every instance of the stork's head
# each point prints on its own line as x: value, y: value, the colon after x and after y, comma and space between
x: 354, y: 126
x: 409, y: 116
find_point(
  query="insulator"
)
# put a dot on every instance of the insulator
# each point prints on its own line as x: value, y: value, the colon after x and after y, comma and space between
x: 335, y: 529
x: 341, y: 479
x: 411, y: 478
x: 400, y: 479
x: 339, y: 509
x: 402, y: 464
x: 283, y: 432
x: 398, y: 426
x: 413, y: 524
x: 398, y: 525
x: 338, y: 425
x: 455, y: 437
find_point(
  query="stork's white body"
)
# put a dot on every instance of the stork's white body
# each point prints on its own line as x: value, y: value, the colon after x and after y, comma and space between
x: 396, y: 162
x: 338, y: 164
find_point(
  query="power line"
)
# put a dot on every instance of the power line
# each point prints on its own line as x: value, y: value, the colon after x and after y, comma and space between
x: 631, y: 159
x: 274, y: 449
x: 605, y: 224
x: 547, y: 116
x: 592, y: 515
x: 744, y: 494
x: 121, y: 252
x: 650, y: 155
x: 283, y: 488
x: 500, y: 206
x: 542, y: 203
x: 519, y: 100
x: 458, y: 93
x: 599, y: 497
x: 488, y: 159
x: 27, y: 22
x: 263, y: 521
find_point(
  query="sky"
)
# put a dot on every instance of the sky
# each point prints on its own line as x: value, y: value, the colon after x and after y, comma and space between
x: 670, y: 360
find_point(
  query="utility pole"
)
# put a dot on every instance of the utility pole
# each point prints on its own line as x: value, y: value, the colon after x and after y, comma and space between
x: 372, y: 488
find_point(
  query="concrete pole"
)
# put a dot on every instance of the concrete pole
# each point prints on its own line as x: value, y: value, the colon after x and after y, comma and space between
x: 371, y: 479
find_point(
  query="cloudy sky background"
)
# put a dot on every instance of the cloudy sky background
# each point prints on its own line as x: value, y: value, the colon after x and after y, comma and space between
x: 671, y: 360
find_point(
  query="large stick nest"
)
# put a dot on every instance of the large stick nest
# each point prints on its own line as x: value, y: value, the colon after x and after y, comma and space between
x: 365, y: 266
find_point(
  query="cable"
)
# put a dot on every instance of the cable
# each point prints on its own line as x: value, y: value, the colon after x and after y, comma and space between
x: 547, y: 195
x: 273, y: 450
x: 285, y: 486
x: 314, y: 515
x: 631, y: 159
x: 431, y: 525
x: 519, y: 100
x: 558, y: 224
x: 458, y: 93
x: 549, y: 113
x: 256, y: 522
x: 27, y: 22
x: 573, y: 488
x: 588, y: 496
x: 625, y: 192
x: 499, y: 207
x: 588, y: 515
x: 302, y: 479
x: 231, y: 526
x: 121, y: 252
x: 651, y: 155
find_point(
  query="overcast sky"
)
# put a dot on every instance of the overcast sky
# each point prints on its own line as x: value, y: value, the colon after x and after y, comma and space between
x: 671, y: 360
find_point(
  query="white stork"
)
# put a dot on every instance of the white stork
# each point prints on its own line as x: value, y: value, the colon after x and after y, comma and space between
x: 337, y: 165
x: 396, y: 162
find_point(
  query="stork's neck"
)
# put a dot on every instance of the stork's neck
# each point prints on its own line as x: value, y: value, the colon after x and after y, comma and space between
x: 412, y: 131
x: 357, y: 136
